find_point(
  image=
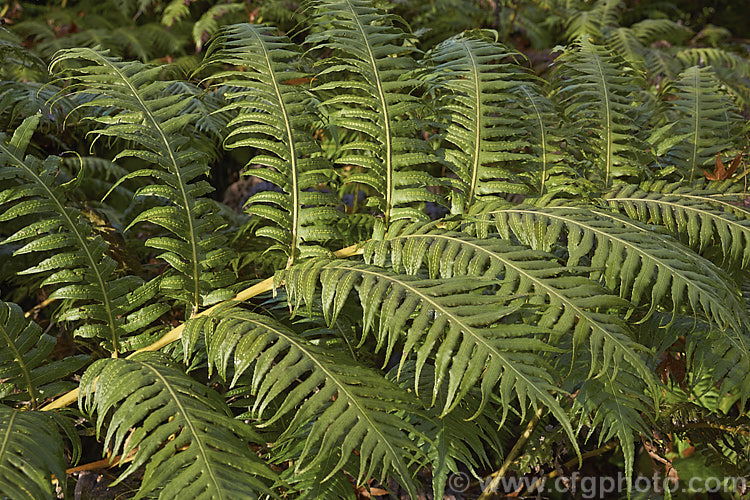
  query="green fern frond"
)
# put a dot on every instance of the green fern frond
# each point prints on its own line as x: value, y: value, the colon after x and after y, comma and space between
x: 370, y: 75
x: 79, y: 266
x: 616, y: 406
x: 350, y: 407
x: 466, y: 330
x: 598, y: 92
x: 180, y: 430
x: 16, y: 60
x: 704, y: 121
x: 652, y: 30
x: 208, y: 24
x: 26, y: 372
x: 625, y: 43
x: 19, y: 100
x: 604, y: 14
x: 175, y: 11
x: 641, y: 265
x: 566, y: 300
x: 271, y: 116
x: 139, y: 111
x: 549, y: 169
x: 476, y: 87
x: 460, y: 437
x: 30, y: 453
x: 705, y: 218
x: 723, y: 356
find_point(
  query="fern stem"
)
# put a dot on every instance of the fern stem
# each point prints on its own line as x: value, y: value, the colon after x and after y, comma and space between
x: 101, y: 464
x: 174, y: 334
x: 489, y: 490
x: 38, y: 307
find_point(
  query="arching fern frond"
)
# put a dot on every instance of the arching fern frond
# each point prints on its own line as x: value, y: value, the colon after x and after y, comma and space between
x: 461, y: 436
x: 76, y: 262
x: 732, y: 69
x: 641, y: 265
x: 705, y: 218
x: 31, y: 451
x: 138, y: 110
x: 566, y: 300
x: 347, y: 406
x: 470, y: 334
x: 369, y: 73
x: 272, y: 117
x: 617, y: 406
x: 180, y: 430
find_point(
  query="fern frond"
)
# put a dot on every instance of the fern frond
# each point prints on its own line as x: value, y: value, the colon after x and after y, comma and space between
x: 139, y: 111
x: 644, y: 267
x: 208, y: 24
x: 596, y: 21
x: 271, y: 116
x: 652, y: 30
x: 476, y: 88
x: 703, y: 127
x: 370, y: 76
x: 79, y: 267
x: 566, y: 300
x: 616, y: 406
x: 179, y: 429
x: 598, y: 91
x: 350, y: 407
x: 705, y: 219
x: 625, y: 43
x: 25, y: 369
x: 460, y: 437
x: 20, y: 100
x: 31, y: 452
x: 452, y: 320
x: 719, y: 355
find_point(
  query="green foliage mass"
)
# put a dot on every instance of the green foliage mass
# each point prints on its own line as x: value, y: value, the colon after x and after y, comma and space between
x: 444, y: 246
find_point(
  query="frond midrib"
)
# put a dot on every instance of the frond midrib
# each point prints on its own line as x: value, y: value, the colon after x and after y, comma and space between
x: 6, y: 438
x: 543, y: 133
x: 477, y: 123
x: 696, y: 117
x: 608, y: 118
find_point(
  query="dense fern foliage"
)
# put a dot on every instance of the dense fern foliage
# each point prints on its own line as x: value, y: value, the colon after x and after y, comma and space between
x: 437, y: 258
